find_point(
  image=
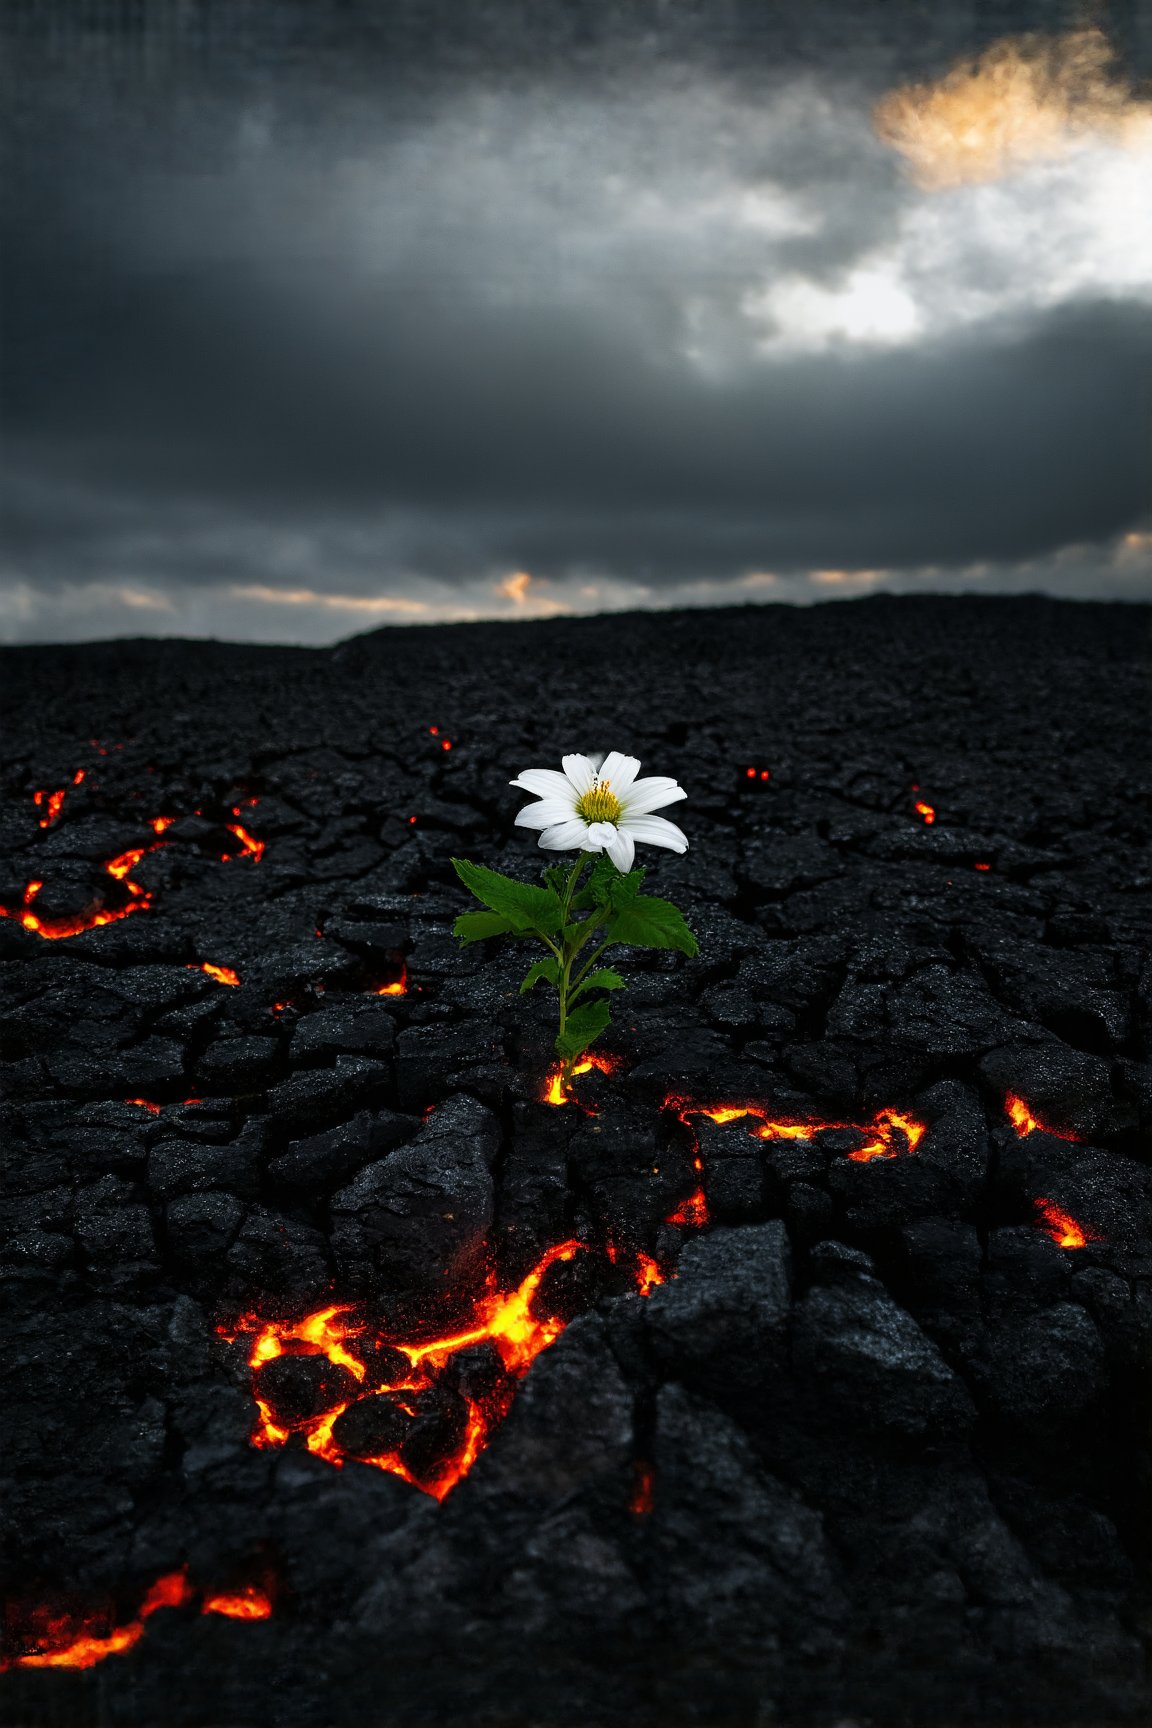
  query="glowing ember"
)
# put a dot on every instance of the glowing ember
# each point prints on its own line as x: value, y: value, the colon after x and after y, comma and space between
x: 70, y: 1640
x: 250, y: 1603
x: 398, y: 986
x: 1024, y: 1122
x: 118, y: 868
x: 53, y: 802
x: 691, y: 1214
x: 643, y: 1493
x: 54, y: 929
x: 890, y: 1134
x: 145, y: 1104
x: 1062, y: 1227
x: 981, y: 866
x: 252, y: 848
x: 927, y: 812
x: 555, y: 1091
x: 648, y: 1273
x: 506, y: 1319
x: 222, y: 974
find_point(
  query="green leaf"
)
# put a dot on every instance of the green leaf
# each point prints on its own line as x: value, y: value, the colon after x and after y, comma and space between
x: 603, y: 883
x: 546, y: 968
x: 584, y: 1025
x: 646, y: 922
x: 556, y: 877
x: 476, y: 926
x: 602, y: 979
x: 523, y: 905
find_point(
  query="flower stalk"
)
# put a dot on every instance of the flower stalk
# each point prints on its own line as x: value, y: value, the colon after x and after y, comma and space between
x: 596, y: 809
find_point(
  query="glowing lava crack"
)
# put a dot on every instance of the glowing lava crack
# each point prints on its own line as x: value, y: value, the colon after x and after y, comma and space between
x: 46, y: 1639
x: 94, y: 917
x: 505, y: 1319
x: 890, y: 1134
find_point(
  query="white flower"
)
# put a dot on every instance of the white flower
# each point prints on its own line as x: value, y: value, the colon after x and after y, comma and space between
x: 600, y: 807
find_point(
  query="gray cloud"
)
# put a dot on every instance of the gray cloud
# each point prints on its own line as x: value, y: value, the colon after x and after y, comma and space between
x: 392, y: 316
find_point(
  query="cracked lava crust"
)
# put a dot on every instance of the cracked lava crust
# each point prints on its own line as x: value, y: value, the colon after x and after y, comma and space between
x: 793, y: 1368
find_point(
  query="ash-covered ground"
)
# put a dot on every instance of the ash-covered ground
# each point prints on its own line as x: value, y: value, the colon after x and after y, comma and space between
x: 873, y: 1444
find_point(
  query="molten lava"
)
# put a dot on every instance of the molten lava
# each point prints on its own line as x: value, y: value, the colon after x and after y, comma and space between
x: 890, y: 1134
x: 692, y: 1213
x: 251, y: 1603
x: 555, y: 1091
x: 118, y: 868
x: 397, y: 987
x: 222, y: 974
x: 251, y: 847
x: 927, y: 812
x: 508, y: 1320
x: 1062, y: 1227
x: 71, y: 1640
x: 1024, y: 1122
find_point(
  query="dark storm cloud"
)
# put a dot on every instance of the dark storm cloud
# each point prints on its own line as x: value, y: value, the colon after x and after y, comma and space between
x: 447, y: 293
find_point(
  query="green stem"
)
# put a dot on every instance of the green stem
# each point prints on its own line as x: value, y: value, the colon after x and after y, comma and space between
x: 569, y: 955
x: 590, y: 962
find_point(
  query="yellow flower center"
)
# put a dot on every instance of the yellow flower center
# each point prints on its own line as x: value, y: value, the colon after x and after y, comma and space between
x: 600, y: 804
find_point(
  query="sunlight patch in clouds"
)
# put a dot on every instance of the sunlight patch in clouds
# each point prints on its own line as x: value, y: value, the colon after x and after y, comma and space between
x: 368, y: 603
x: 1025, y: 99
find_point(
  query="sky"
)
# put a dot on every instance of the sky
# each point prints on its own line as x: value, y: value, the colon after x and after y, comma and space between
x: 317, y: 315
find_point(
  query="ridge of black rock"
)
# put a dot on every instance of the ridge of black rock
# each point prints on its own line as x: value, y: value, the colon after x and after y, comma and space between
x: 893, y: 1435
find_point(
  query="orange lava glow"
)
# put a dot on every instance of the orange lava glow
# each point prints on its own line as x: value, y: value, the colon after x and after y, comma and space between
x: 890, y: 1134
x: 79, y: 1641
x: 1024, y: 1122
x: 1062, y: 1227
x: 53, y: 929
x: 53, y: 802
x: 252, y: 848
x: 648, y: 1273
x: 222, y: 974
x: 505, y: 1318
x: 94, y: 917
x: 927, y: 812
x: 644, y: 1491
x: 145, y: 1104
x: 251, y: 1603
x: 692, y: 1213
x: 555, y: 1092
x: 398, y: 986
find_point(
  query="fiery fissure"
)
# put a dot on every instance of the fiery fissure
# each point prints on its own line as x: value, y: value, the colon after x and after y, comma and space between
x: 79, y: 1641
x: 119, y: 868
x: 507, y: 1319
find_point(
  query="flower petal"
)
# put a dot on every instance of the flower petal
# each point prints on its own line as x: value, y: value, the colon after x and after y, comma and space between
x: 651, y: 794
x: 601, y: 835
x: 622, y: 850
x: 546, y: 783
x: 620, y: 770
x: 544, y: 814
x: 580, y: 773
x: 655, y: 831
x: 567, y: 836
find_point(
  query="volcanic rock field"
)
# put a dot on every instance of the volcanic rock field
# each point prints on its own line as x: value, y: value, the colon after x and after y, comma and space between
x: 795, y: 1371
